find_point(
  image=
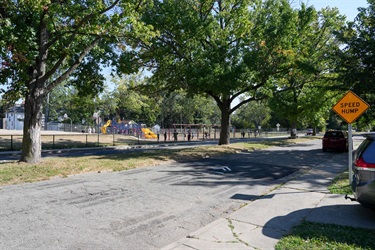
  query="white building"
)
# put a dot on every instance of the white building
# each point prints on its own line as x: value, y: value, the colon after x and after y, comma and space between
x: 14, y: 117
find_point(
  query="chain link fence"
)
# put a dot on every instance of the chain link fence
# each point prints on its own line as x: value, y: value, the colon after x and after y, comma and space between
x: 65, y: 135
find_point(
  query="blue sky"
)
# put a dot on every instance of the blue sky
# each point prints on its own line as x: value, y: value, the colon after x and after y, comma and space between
x: 346, y: 7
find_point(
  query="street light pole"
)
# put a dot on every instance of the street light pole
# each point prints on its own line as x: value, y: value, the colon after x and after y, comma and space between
x: 98, y: 120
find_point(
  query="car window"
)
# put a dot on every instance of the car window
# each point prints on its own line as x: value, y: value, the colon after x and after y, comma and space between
x: 328, y: 134
x: 361, y: 147
x: 369, y: 153
x: 334, y: 134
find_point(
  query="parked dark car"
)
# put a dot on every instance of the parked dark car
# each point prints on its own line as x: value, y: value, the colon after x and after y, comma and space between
x: 335, y: 140
x: 363, y: 183
x: 310, y: 131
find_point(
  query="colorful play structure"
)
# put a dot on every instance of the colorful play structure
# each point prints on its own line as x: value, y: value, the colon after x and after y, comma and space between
x: 104, y: 128
x: 128, y: 127
x: 148, y: 133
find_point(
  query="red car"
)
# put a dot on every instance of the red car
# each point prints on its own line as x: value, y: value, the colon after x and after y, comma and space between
x: 335, y: 140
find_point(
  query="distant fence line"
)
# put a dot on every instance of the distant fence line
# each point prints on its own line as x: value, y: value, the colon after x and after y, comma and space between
x: 77, y: 136
x: 82, y: 139
x: 68, y: 127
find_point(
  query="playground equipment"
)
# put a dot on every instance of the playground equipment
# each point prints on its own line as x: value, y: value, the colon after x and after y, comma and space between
x: 128, y: 127
x: 104, y: 128
x: 148, y: 133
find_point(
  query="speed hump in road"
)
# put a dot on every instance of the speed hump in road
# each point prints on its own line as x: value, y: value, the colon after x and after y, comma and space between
x: 350, y: 107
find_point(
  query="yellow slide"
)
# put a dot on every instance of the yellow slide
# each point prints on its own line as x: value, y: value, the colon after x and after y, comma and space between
x: 104, y: 128
x: 148, y: 133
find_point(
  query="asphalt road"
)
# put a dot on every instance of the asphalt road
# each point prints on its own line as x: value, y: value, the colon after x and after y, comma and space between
x: 145, y: 208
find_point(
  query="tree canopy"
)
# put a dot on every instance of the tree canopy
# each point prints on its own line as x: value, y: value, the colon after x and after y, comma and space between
x: 311, y: 84
x: 357, y: 59
x: 223, y: 49
x: 227, y: 49
x: 252, y: 115
x: 44, y: 43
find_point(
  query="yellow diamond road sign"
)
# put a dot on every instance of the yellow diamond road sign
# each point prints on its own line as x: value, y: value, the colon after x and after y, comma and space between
x: 350, y: 107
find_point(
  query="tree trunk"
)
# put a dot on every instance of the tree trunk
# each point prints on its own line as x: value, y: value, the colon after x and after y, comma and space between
x: 31, y: 142
x: 293, y: 132
x: 37, y: 90
x: 225, y: 124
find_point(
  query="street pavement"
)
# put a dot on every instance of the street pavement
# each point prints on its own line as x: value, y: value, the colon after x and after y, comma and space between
x: 262, y: 223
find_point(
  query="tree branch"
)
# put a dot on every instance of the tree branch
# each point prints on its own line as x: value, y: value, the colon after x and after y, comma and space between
x: 75, y: 65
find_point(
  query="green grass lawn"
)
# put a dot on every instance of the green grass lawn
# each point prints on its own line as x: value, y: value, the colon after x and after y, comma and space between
x: 309, y: 235
x: 340, y: 184
x: 50, y: 167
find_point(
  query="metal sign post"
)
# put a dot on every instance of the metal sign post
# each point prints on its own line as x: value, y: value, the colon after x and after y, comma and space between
x: 350, y: 145
x: 350, y: 108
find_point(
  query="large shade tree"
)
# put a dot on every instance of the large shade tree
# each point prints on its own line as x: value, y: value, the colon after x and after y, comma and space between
x: 252, y: 115
x: 223, y: 49
x: 133, y: 104
x: 46, y: 42
x: 357, y: 58
x: 179, y: 108
x: 311, y: 84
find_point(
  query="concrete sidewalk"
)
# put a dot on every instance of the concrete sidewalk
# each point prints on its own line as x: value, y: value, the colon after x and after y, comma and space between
x: 262, y: 223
